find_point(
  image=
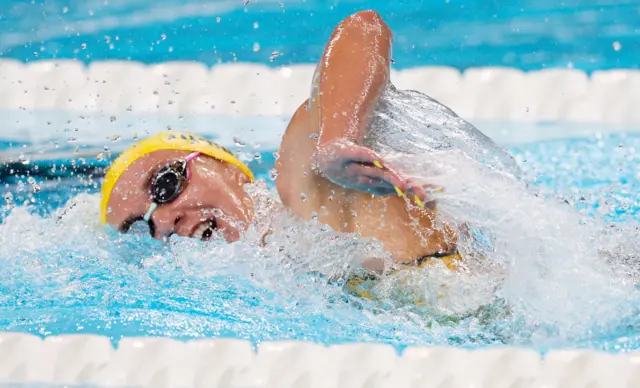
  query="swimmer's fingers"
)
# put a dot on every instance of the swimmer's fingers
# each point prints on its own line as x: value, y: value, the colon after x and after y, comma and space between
x: 379, y: 181
x: 339, y: 154
x: 343, y: 162
x: 423, y: 196
x: 366, y: 178
x: 360, y: 168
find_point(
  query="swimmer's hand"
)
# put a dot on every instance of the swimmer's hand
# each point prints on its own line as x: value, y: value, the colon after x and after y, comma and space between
x: 356, y: 167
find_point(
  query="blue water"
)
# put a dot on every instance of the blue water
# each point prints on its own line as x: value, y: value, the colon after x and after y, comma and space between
x: 71, y: 278
x: 527, y: 34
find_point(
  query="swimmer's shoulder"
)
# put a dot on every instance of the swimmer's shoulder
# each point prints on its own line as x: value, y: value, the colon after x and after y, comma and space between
x: 296, y: 152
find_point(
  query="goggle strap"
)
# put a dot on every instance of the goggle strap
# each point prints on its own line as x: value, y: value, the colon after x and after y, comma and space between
x: 152, y: 208
x: 189, y: 158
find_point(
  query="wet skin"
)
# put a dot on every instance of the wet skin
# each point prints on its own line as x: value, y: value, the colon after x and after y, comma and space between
x: 322, y: 168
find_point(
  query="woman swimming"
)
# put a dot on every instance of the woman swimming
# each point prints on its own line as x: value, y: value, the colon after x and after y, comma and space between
x: 335, y: 162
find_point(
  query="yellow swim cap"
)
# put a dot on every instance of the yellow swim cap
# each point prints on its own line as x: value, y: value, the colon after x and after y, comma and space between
x: 163, y: 141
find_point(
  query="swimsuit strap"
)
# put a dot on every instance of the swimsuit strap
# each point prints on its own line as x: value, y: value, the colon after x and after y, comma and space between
x: 450, y: 259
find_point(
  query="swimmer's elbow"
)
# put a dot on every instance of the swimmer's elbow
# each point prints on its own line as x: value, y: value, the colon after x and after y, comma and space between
x: 367, y: 19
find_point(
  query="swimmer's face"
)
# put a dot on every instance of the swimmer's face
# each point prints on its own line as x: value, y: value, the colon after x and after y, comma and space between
x: 212, y: 200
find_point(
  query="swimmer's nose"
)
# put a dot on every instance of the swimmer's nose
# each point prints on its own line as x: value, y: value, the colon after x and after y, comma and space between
x: 165, y: 222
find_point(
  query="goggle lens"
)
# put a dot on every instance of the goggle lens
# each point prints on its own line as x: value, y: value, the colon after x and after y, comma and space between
x: 169, y: 182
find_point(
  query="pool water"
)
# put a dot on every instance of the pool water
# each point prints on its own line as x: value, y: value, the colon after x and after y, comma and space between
x: 527, y: 34
x: 63, y: 274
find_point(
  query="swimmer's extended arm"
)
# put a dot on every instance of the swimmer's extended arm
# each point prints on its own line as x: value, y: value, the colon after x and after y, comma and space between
x: 354, y: 71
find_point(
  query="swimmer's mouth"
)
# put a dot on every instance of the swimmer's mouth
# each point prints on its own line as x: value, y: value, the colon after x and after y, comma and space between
x: 204, y: 230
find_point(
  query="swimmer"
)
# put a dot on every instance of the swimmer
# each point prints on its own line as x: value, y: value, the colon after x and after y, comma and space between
x: 328, y: 167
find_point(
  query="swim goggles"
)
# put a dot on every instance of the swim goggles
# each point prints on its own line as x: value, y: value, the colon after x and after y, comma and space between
x: 168, y: 183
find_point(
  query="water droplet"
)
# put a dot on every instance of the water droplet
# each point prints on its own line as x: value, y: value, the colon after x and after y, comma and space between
x: 273, y: 174
x: 163, y: 37
x: 114, y: 138
x: 65, y: 9
x: 23, y: 159
x: 245, y: 2
x: 239, y: 142
x: 257, y: 156
x: 100, y: 156
x: 617, y: 46
x: 256, y: 47
x: 314, y: 215
x: 84, y: 46
x: 218, y: 19
x: 112, y: 118
x: 303, y: 197
x: 274, y: 55
x: 8, y: 198
x: 256, y: 25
